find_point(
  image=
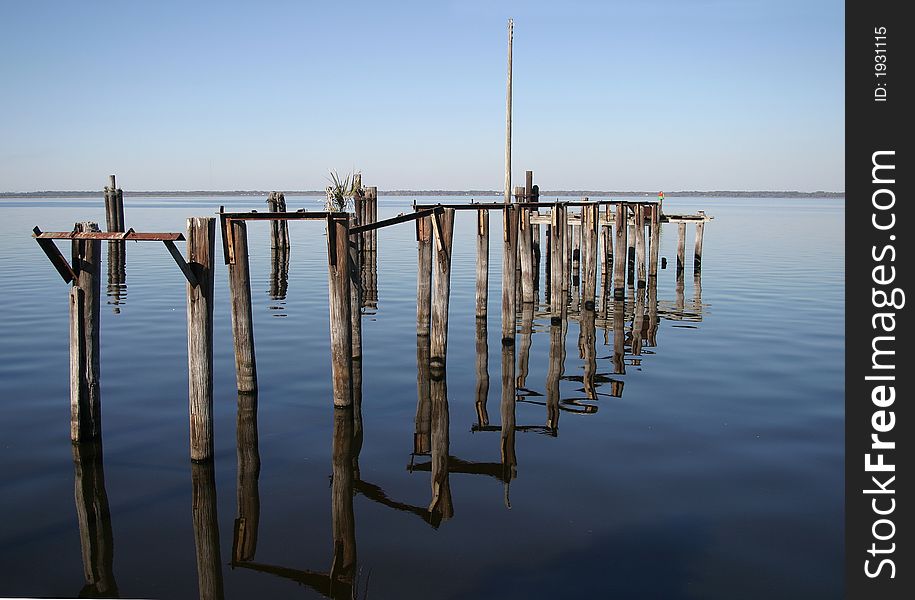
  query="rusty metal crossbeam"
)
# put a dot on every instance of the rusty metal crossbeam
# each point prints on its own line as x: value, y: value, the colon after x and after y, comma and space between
x: 46, y: 239
x: 403, y: 218
x: 111, y: 236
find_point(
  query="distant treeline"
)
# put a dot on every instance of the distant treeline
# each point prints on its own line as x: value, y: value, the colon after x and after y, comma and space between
x: 472, y: 193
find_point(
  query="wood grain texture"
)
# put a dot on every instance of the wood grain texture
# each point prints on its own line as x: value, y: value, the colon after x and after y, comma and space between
x: 201, y: 237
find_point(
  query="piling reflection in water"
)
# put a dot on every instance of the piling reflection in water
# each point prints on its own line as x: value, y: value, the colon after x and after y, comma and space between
x: 206, y: 530
x: 94, y: 517
x: 117, y: 275
x: 244, y: 543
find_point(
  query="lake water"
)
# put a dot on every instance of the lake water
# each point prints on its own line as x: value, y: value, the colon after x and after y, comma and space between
x: 711, y: 468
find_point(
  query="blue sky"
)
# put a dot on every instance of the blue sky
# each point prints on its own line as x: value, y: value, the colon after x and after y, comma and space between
x: 651, y: 95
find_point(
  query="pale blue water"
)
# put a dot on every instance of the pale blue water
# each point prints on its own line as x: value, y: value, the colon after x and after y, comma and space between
x: 718, y: 473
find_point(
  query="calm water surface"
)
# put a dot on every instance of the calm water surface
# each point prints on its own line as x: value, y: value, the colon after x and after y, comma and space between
x: 711, y: 468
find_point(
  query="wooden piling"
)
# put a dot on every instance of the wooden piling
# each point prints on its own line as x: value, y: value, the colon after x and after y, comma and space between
x: 640, y: 244
x: 509, y: 282
x: 654, y: 241
x: 508, y: 119
x: 619, y: 254
x: 201, y: 238
x: 114, y: 206
x: 338, y: 290
x: 242, y: 321
x: 590, y: 215
x: 423, y: 275
x: 697, y: 256
x: 630, y: 247
x: 557, y: 261
x: 443, y: 231
x: 606, y: 255
x: 525, y: 249
x: 206, y: 531
x: 482, y: 295
x: 681, y: 246
x: 85, y: 310
x: 355, y: 311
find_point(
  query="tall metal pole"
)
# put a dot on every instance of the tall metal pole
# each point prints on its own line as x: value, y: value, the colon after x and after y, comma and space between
x: 508, y: 118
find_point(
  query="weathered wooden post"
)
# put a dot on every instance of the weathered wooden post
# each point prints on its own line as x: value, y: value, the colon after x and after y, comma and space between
x: 654, y: 241
x: 249, y: 468
x: 619, y: 254
x: 697, y: 256
x: 606, y: 241
x: 590, y: 215
x: 630, y: 248
x: 640, y: 244
x: 201, y: 238
x: 355, y: 311
x: 423, y: 275
x: 482, y: 263
x: 509, y: 282
x: 206, y: 531
x: 242, y: 322
x: 94, y: 517
x: 443, y: 230
x: 681, y: 246
x: 576, y: 243
x: 532, y: 194
x: 557, y: 261
x: 85, y: 309
x: 371, y: 198
x: 508, y: 118
x: 339, y: 301
x: 114, y: 205
x: 525, y: 248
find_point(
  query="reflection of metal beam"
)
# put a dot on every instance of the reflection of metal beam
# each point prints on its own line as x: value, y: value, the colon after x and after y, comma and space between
x: 466, y: 467
x: 318, y: 581
x: 376, y: 494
